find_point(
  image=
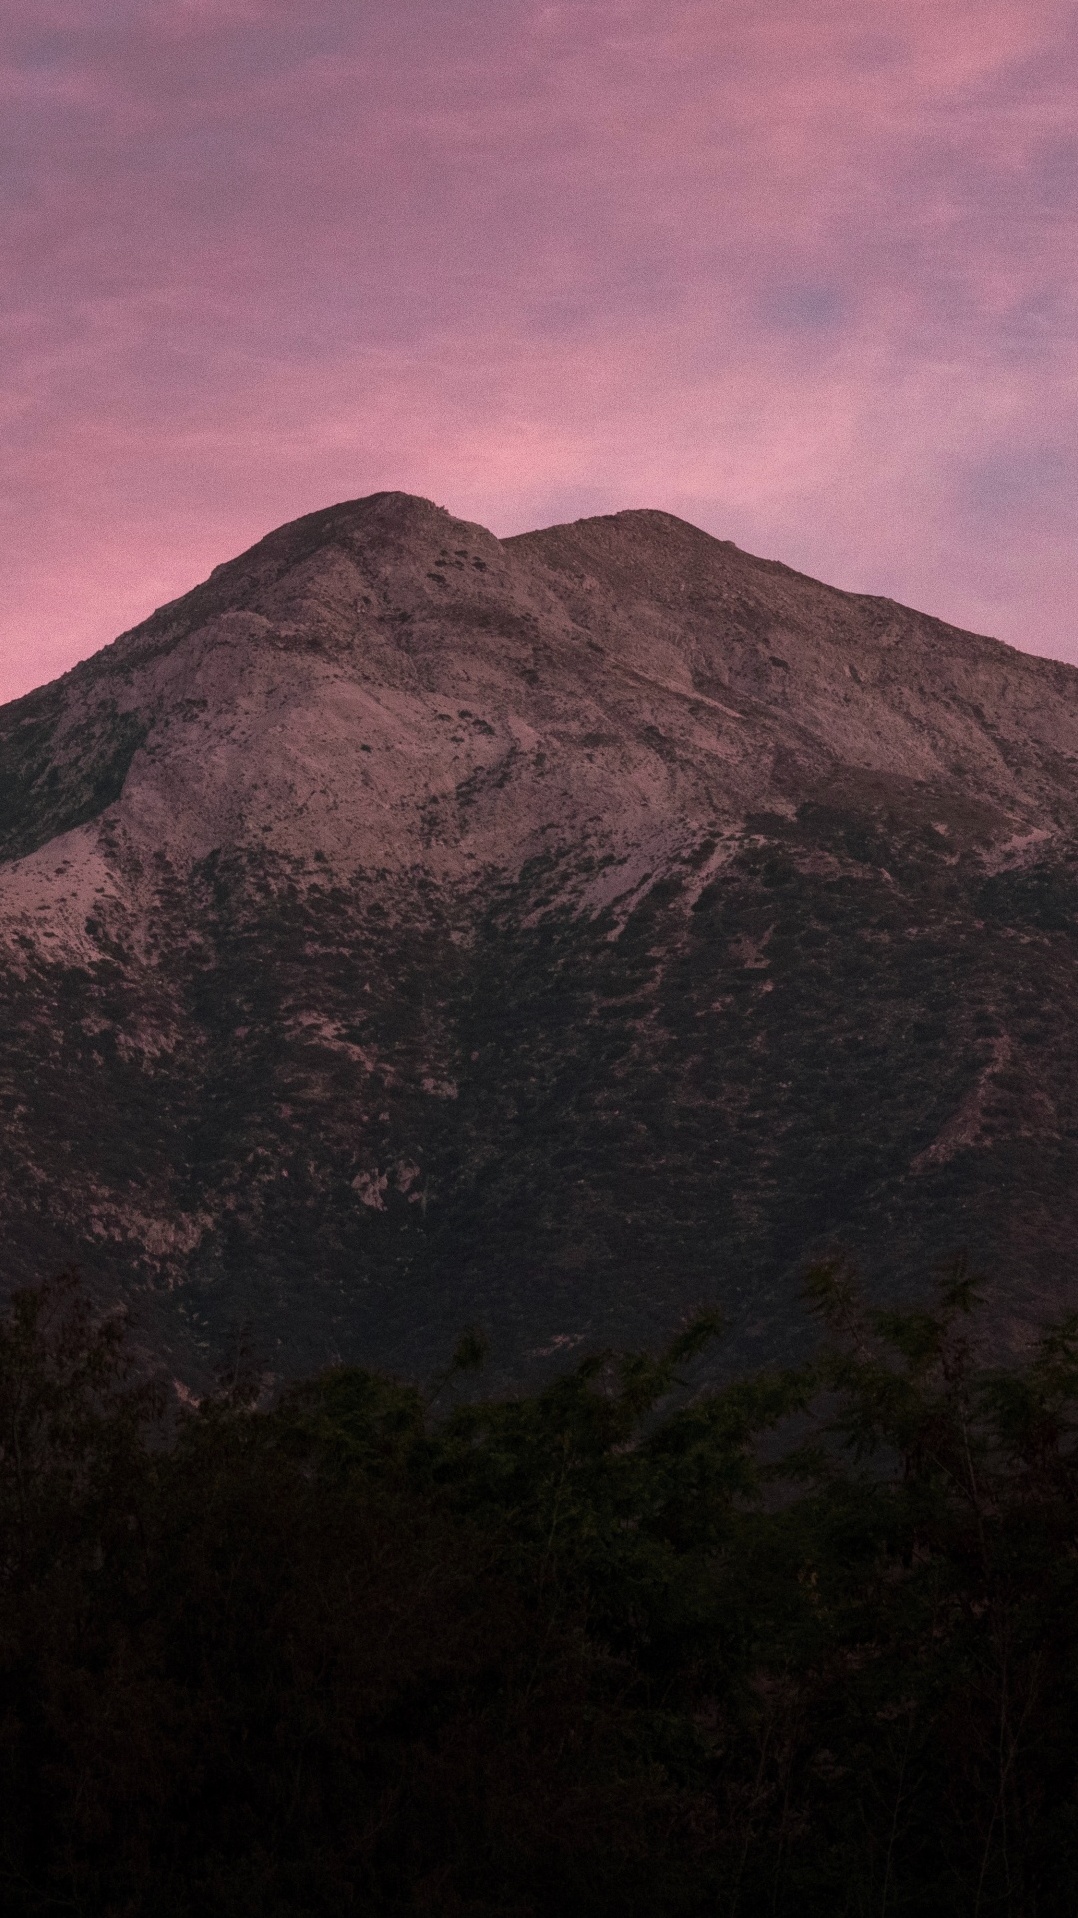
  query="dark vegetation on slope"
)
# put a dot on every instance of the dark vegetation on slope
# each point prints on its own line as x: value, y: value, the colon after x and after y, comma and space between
x: 855, y: 1035
x: 55, y: 774
x: 806, y: 1644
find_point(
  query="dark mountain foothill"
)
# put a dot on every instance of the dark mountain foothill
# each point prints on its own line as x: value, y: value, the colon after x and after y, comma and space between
x: 409, y: 929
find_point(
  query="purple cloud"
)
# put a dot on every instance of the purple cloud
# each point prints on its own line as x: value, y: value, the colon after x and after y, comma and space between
x: 806, y: 280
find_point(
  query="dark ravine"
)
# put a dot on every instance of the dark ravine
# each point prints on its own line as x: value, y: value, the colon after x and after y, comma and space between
x: 408, y: 928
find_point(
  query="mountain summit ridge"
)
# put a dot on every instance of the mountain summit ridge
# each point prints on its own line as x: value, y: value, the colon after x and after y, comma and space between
x: 408, y: 925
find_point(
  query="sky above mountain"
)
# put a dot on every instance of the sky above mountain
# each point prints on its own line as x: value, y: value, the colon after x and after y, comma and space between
x: 804, y: 274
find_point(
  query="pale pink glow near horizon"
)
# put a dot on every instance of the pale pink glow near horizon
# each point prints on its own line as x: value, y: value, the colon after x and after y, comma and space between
x: 805, y: 274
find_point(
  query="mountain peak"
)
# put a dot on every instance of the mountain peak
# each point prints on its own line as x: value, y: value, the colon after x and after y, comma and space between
x: 405, y: 921
x: 383, y: 519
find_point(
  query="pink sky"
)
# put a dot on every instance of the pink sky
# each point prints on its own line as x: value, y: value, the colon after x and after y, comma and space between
x: 804, y: 273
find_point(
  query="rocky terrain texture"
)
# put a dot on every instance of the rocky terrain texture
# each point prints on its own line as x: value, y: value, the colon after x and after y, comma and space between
x: 408, y: 928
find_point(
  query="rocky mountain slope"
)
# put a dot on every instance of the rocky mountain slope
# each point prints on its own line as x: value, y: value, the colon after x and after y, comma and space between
x: 409, y: 928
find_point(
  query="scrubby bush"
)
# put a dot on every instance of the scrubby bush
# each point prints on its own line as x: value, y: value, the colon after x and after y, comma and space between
x: 806, y: 1643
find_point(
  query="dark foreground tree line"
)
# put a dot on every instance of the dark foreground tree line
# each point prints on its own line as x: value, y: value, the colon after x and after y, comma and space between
x: 805, y: 1644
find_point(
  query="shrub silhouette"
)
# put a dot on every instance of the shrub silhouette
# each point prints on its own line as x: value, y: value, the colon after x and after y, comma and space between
x: 805, y: 1643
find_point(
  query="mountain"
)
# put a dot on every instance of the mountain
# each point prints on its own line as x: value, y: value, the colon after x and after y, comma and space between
x: 409, y: 928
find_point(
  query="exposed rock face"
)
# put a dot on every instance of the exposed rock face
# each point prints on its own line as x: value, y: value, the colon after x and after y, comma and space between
x: 408, y: 928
